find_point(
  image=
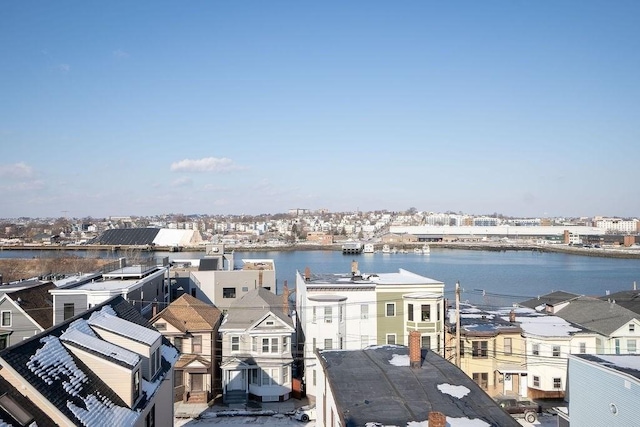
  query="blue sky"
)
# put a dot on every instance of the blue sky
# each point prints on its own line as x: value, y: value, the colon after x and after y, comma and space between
x: 247, y: 107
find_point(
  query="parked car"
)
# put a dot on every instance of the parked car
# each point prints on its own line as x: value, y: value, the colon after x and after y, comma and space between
x: 520, y: 408
x: 305, y: 413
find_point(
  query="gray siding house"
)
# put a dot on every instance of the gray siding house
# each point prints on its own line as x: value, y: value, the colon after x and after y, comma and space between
x: 25, y: 313
x: 617, y: 381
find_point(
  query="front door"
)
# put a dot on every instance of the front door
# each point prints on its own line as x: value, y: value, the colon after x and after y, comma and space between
x: 508, y: 383
x: 236, y: 380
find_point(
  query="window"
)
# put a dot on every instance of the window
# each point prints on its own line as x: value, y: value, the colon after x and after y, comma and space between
x: 68, y: 310
x: 228, y: 292
x: 150, y: 420
x: 507, y: 346
x: 313, y: 348
x: 617, y: 345
x: 254, y: 376
x: 254, y: 344
x: 161, y: 326
x: 196, y: 344
x: 265, y: 377
x: 536, y: 381
x: 482, y: 379
x: 136, y: 385
x: 557, y: 383
x: 631, y: 346
x: 391, y: 309
x: 245, y: 289
x: 285, y: 344
x: 235, y: 343
x: 315, y: 376
x: 177, y: 342
x: 410, y: 312
x: 479, y: 349
x: 556, y: 351
x: 535, y: 349
x: 154, y: 362
x: 328, y: 344
x: 193, y: 292
x: 364, y: 311
x: 438, y: 311
x: 6, y: 318
x: 425, y: 341
x: 391, y: 339
x: 425, y: 310
x: 285, y: 374
x: 583, y: 347
x: 4, y: 341
x: 178, y: 378
x: 341, y: 313
x: 328, y: 314
x: 632, y: 327
x: 313, y: 314
x: 270, y: 345
x: 364, y: 341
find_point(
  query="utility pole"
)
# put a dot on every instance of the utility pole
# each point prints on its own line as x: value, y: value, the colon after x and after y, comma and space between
x: 457, y: 324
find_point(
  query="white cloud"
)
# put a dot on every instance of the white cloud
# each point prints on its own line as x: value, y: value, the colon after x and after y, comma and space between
x: 22, y: 187
x: 65, y: 68
x: 207, y: 164
x: 119, y: 53
x: 16, y: 171
x: 182, y: 182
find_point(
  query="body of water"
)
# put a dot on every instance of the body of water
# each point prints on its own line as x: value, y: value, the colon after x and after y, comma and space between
x: 486, y: 277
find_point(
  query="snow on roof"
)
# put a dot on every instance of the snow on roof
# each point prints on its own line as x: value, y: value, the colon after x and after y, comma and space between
x: 52, y: 362
x: 123, y: 327
x: 400, y: 360
x: 458, y: 391
x: 91, y: 342
x: 102, y: 412
x: 170, y: 354
x: 545, y: 326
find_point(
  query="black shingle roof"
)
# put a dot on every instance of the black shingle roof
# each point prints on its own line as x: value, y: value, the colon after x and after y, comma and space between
x: 19, y: 355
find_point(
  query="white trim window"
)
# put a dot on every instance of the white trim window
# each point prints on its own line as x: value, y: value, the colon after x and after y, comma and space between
x: 235, y: 343
x: 364, y: 311
x: 328, y: 314
x: 391, y: 339
x: 6, y: 318
x: 270, y: 345
x: 390, y: 310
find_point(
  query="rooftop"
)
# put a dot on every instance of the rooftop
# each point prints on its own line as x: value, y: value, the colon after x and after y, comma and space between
x: 376, y: 385
x: 347, y: 280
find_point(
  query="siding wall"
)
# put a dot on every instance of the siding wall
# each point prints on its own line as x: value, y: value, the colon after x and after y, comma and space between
x: 587, y: 408
x: 21, y: 325
x: 79, y: 301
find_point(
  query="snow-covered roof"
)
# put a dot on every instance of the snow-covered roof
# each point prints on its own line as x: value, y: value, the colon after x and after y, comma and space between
x: 122, y: 327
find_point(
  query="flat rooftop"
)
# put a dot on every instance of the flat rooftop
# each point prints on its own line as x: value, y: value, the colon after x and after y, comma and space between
x: 402, y: 277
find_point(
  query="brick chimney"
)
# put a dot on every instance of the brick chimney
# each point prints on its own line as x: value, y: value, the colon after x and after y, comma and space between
x: 307, y: 274
x: 437, y: 419
x: 512, y: 316
x: 285, y: 298
x: 354, y: 267
x: 414, y: 349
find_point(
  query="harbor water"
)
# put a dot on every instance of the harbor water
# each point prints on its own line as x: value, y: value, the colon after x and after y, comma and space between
x: 486, y: 277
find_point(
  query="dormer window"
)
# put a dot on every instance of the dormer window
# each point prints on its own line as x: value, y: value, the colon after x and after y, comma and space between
x: 136, y: 386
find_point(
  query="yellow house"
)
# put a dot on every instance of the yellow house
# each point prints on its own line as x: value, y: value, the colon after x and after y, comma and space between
x: 491, y: 350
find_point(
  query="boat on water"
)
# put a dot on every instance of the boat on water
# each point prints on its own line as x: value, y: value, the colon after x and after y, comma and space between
x: 369, y: 248
x: 426, y: 250
x: 386, y: 249
x: 417, y: 251
x: 394, y: 250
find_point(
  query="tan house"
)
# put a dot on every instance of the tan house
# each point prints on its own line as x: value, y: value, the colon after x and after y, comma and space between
x: 491, y: 350
x: 192, y: 326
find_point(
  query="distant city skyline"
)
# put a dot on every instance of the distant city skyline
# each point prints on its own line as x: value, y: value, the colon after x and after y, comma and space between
x: 117, y: 108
